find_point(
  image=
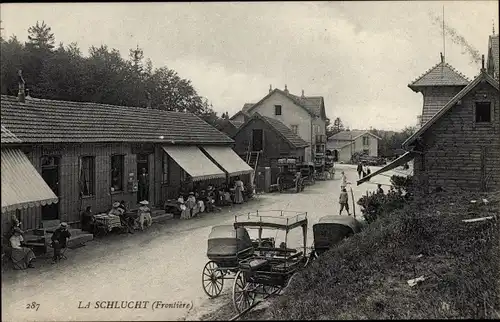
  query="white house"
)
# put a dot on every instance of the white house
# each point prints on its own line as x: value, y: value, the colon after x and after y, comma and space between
x: 344, y: 144
x: 304, y: 115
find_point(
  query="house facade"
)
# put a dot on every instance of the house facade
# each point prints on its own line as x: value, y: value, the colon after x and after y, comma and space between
x: 345, y: 144
x: 93, y: 154
x: 304, y: 115
x: 273, y: 138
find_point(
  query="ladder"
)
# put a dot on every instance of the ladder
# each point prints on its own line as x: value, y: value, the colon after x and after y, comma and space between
x: 253, y: 161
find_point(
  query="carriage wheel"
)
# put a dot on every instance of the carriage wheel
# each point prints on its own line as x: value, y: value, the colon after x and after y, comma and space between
x: 243, y: 293
x: 212, y: 279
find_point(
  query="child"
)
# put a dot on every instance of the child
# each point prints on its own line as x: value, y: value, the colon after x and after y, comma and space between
x: 344, y: 202
x: 344, y: 181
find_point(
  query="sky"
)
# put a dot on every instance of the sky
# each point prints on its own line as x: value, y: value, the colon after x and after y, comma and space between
x: 360, y: 56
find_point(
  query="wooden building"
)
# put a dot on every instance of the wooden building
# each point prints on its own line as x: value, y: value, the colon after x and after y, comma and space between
x: 271, y: 138
x: 458, y: 147
x: 92, y: 154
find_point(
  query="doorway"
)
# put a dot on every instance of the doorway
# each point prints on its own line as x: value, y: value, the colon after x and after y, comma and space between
x: 143, y: 177
x: 50, y: 174
x: 257, y: 139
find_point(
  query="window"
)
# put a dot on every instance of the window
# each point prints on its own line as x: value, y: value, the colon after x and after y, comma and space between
x: 295, y: 129
x: 316, y: 129
x: 366, y: 151
x: 117, y: 172
x: 277, y: 109
x: 483, y: 112
x: 164, y: 167
x: 87, y: 176
x: 366, y: 140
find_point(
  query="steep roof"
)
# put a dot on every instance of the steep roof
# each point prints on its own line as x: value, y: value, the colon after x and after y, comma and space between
x: 442, y: 74
x: 236, y: 124
x: 494, y: 52
x: 9, y: 137
x: 314, y: 105
x: 285, y: 132
x: 245, y: 114
x: 350, y: 135
x: 40, y: 120
x: 483, y: 76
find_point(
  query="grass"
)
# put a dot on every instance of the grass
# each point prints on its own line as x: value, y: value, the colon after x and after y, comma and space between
x: 366, y: 276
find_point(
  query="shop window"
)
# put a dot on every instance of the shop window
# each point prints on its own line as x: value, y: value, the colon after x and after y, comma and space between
x: 277, y: 109
x: 87, y: 176
x: 165, y: 169
x: 117, y: 172
x: 483, y: 112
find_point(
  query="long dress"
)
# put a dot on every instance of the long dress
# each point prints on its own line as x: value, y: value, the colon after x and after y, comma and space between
x: 238, y: 192
x: 21, y: 256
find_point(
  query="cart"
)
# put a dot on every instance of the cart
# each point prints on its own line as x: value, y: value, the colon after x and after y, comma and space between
x: 226, y: 247
x: 307, y: 172
x: 289, y: 177
x: 267, y: 275
x: 331, y: 230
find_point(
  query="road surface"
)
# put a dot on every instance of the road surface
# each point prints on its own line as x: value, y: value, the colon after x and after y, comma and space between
x: 162, y: 264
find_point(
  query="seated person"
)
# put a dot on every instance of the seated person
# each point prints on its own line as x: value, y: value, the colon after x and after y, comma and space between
x: 122, y: 206
x: 184, y: 209
x: 60, y: 240
x: 88, y: 221
x: 144, y: 214
x: 21, y: 256
x: 191, y: 204
x: 201, y: 200
x: 117, y: 210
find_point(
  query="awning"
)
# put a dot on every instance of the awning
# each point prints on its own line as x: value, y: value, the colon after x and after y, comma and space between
x: 408, y: 156
x: 228, y: 160
x: 22, y: 185
x: 194, y: 162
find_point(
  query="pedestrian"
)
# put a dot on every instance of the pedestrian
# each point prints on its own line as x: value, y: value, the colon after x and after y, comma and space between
x: 144, y: 214
x: 379, y: 189
x: 360, y: 169
x: 344, y: 182
x: 60, y: 241
x: 344, y: 202
x: 143, y: 185
x: 239, y: 187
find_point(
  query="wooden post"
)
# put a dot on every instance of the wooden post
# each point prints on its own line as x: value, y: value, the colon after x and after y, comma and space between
x: 483, y: 169
x: 353, y: 204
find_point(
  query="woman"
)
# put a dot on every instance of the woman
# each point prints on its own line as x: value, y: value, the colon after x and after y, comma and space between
x: 21, y: 256
x: 183, y: 208
x: 239, y: 187
x: 191, y: 205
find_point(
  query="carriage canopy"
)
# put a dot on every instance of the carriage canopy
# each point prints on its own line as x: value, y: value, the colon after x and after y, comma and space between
x: 272, y: 219
x: 341, y: 220
x: 225, y: 240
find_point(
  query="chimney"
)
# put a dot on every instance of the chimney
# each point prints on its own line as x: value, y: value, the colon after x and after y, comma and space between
x: 442, y: 57
x: 270, y: 88
x: 286, y: 89
x: 482, y: 64
x: 302, y: 94
x: 20, y: 94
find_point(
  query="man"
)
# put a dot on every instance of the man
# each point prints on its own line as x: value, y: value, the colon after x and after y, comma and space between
x: 379, y: 189
x: 344, y: 202
x: 360, y: 169
x: 60, y: 240
x: 143, y: 185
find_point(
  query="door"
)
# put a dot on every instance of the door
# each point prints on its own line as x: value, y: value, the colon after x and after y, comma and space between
x: 257, y: 139
x: 143, y: 177
x: 50, y: 173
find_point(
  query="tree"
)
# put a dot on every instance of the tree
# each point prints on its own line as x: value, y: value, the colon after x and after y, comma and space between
x: 40, y: 36
x: 12, y: 57
x: 335, y: 128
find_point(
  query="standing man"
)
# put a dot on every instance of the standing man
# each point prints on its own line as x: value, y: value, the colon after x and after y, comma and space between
x: 360, y: 169
x: 344, y: 181
x: 60, y: 240
x: 344, y: 202
x: 143, y: 185
x: 379, y: 189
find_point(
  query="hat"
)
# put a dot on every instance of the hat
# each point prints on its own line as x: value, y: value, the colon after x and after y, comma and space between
x: 191, y: 193
x: 116, y: 204
x: 63, y: 224
x: 144, y: 202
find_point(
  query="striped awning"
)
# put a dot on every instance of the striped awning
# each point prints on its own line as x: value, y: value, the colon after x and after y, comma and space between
x: 22, y: 185
x: 228, y: 160
x: 408, y: 156
x: 194, y: 162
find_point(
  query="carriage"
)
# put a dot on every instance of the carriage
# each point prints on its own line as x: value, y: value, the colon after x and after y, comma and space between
x: 330, y: 164
x: 226, y: 247
x: 289, y: 177
x: 331, y: 230
x: 267, y: 274
x: 307, y: 172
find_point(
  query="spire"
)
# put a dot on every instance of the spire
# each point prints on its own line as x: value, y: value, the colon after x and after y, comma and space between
x: 482, y: 64
x: 442, y: 57
x: 286, y: 89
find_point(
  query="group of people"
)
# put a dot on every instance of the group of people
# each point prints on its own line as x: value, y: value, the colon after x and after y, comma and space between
x: 130, y: 220
x: 344, y: 197
x: 363, y: 170
x: 23, y: 256
x: 209, y: 199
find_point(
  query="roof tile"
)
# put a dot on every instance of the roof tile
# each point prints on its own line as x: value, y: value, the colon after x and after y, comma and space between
x: 40, y: 120
x: 286, y: 132
x: 442, y: 74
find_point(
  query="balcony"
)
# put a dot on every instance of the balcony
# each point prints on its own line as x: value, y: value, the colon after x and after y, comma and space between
x: 320, y: 138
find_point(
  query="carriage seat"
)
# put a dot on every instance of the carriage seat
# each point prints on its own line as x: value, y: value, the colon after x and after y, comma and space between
x: 289, y: 264
x: 255, y: 264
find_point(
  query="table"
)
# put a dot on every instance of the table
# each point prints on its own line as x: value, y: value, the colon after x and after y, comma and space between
x: 108, y: 221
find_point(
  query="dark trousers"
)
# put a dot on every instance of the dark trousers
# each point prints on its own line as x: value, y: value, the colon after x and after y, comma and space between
x: 142, y: 193
x: 57, y: 250
x: 344, y: 205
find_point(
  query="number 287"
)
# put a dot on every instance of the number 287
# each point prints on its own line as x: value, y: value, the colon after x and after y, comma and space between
x: 33, y: 306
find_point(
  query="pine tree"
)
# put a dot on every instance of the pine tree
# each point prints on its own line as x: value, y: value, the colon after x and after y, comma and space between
x: 40, y: 36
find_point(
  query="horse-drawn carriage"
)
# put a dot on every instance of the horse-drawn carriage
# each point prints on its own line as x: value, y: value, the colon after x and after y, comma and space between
x: 289, y: 177
x: 307, y: 172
